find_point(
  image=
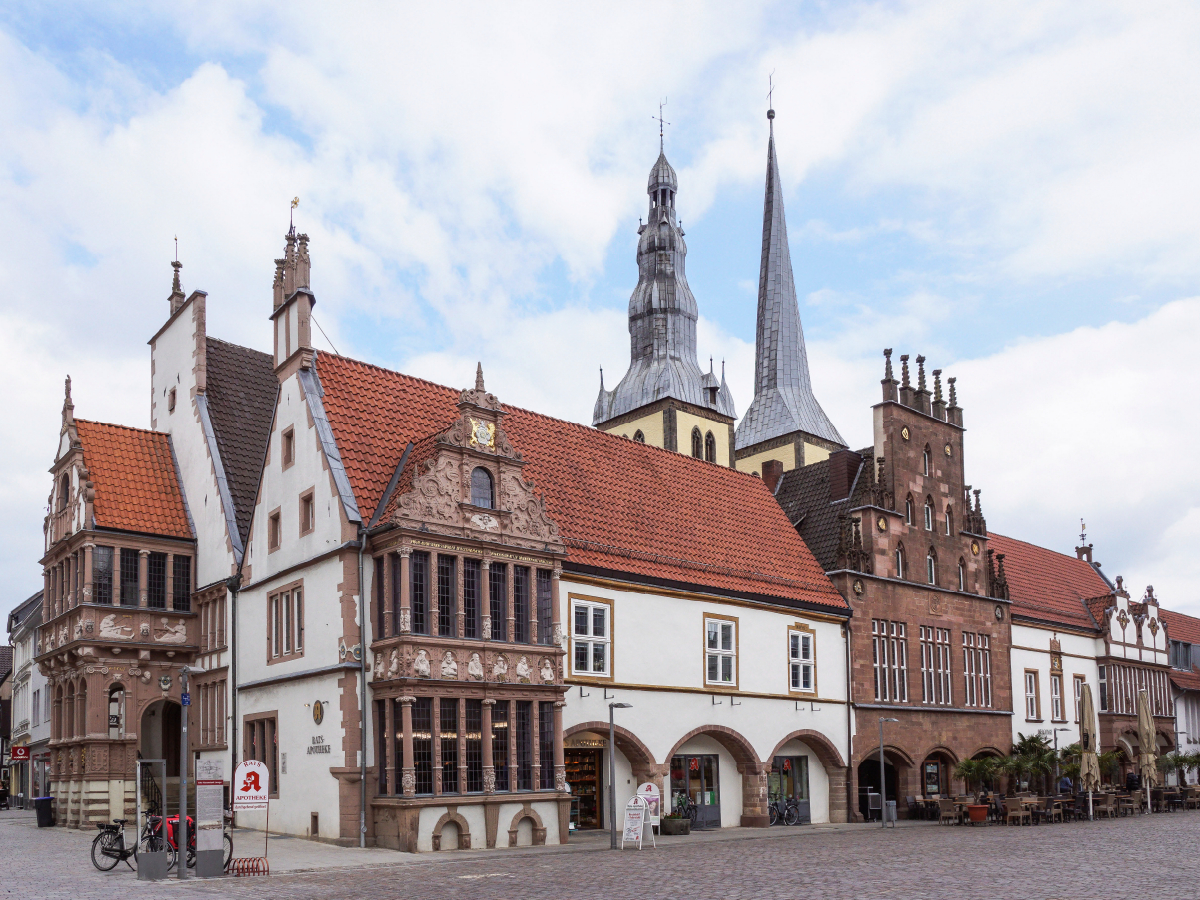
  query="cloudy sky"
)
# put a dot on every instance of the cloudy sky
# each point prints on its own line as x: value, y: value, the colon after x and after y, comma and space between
x: 1010, y: 189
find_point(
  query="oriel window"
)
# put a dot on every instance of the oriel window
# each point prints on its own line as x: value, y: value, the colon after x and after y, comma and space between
x: 447, y: 597
x: 498, y: 600
x: 419, y: 566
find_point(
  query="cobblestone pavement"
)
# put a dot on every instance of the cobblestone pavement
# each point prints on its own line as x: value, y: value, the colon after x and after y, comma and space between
x: 1138, y: 857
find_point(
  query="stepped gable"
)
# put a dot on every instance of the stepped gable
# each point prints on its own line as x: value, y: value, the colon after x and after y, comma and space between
x: 135, y: 481
x: 1181, y: 627
x: 241, y: 391
x: 1050, y: 586
x: 619, y: 505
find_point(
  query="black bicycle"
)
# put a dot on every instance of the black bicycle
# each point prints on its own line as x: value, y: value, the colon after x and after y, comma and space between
x: 685, y: 807
x: 109, y: 848
x: 786, y: 811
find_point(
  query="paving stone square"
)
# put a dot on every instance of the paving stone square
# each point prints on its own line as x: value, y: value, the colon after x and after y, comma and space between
x: 1142, y: 857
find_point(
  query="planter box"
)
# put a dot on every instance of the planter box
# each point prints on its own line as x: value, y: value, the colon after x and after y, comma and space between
x: 977, y: 813
x: 675, y: 826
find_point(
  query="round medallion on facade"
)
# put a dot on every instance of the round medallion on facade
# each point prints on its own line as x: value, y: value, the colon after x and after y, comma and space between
x: 999, y: 613
x: 881, y: 523
x: 165, y: 682
x: 858, y: 586
x: 949, y: 450
x: 318, y: 712
x: 974, y: 548
x: 904, y: 433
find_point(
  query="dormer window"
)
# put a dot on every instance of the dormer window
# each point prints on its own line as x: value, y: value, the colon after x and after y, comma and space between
x: 482, y: 489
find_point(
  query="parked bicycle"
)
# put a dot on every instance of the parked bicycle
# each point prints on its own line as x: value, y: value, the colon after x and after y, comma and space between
x: 172, y: 841
x: 109, y: 848
x: 786, y: 811
x: 685, y: 807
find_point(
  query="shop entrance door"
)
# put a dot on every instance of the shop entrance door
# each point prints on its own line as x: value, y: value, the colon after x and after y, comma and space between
x: 583, y: 775
x: 699, y: 778
x: 789, y: 778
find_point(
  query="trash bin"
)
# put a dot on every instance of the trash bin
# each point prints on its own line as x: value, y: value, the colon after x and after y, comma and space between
x: 890, y: 812
x: 45, y: 811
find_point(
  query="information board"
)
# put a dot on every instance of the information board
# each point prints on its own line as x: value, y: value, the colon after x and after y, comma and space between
x: 251, y: 782
x: 210, y: 804
x: 650, y: 793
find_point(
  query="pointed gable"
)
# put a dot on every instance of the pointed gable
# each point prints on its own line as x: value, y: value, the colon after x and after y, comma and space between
x: 620, y: 506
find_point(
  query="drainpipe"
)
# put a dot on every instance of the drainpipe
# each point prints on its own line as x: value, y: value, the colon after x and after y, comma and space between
x: 849, y: 728
x: 233, y: 584
x: 362, y: 697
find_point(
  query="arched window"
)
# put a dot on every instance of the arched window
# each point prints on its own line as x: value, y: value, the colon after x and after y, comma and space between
x: 64, y: 488
x: 639, y: 437
x: 482, y: 492
x: 908, y: 510
x: 116, y: 703
x: 697, y: 444
x: 962, y: 575
x: 900, y: 561
x: 925, y: 458
x: 931, y: 567
x: 710, y: 447
x: 68, y: 717
x: 929, y: 514
x: 949, y: 519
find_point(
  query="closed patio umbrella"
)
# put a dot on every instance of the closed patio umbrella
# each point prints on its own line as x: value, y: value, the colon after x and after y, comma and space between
x: 1148, y: 738
x: 1089, y: 743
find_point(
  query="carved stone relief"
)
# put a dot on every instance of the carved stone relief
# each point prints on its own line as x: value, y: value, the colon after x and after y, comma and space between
x: 547, y: 671
x: 475, y: 667
x: 111, y: 628
x: 523, y: 670
x: 449, y: 666
x: 529, y: 518
x: 421, y: 664
x: 394, y: 668
x: 169, y: 633
x: 500, y: 668
x: 435, y: 493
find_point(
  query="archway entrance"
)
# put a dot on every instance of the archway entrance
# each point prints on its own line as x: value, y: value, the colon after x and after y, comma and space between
x: 869, y: 782
x: 937, y: 776
x: 158, y: 736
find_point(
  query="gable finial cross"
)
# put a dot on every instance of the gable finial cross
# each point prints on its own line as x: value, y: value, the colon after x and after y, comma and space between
x: 660, y: 123
x: 771, y: 90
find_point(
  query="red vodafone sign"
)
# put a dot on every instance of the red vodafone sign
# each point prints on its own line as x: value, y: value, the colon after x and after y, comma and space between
x: 19, y: 753
x: 251, y: 784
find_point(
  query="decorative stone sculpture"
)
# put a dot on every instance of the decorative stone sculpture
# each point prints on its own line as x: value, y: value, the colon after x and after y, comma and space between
x: 500, y: 669
x: 171, y: 634
x: 449, y: 666
x: 421, y: 664
x: 110, y: 629
x: 475, y: 667
x: 394, y: 668
x: 547, y: 671
x: 523, y: 670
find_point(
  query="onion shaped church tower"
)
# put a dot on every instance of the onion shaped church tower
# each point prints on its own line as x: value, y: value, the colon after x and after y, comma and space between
x: 784, y: 422
x: 665, y: 399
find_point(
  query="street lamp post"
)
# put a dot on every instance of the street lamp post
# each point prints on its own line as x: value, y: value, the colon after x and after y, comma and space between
x: 182, y: 834
x: 882, y: 776
x: 612, y: 774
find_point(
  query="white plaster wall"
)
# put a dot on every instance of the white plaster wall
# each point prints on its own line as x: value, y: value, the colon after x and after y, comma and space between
x: 307, y: 786
x: 658, y: 642
x: 1078, y: 658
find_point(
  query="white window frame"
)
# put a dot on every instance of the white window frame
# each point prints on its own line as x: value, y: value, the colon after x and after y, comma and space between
x: 969, y: 669
x: 1032, y: 706
x: 590, y: 638
x: 720, y: 652
x: 928, y: 516
x: 1056, y: 698
x: 802, y: 661
x: 1077, y: 683
x: 930, y: 568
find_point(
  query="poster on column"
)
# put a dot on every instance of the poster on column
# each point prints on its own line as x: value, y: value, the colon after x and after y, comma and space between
x: 650, y: 793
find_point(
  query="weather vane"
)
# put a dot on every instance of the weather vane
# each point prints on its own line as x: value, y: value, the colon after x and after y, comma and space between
x: 291, y: 216
x: 770, y: 89
x: 660, y: 123
x: 1082, y: 532
x: 176, y: 248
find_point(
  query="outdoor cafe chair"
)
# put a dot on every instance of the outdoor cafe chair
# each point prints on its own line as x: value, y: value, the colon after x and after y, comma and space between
x: 948, y: 812
x: 1016, y: 811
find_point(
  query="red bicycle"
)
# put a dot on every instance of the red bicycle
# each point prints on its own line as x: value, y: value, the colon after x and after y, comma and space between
x: 154, y: 826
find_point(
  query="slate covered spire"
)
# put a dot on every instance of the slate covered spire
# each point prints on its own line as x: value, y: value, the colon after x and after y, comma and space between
x: 662, y: 317
x: 783, y: 397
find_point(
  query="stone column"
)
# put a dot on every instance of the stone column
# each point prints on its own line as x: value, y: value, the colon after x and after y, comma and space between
x: 87, y: 572
x: 536, y: 728
x: 462, y: 747
x: 47, y: 597
x: 387, y: 626
x: 460, y: 614
x: 754, y: 795
x: 489, y: 762
x: 169, y: 600
x: 433, y: 605
x: 390, y: 748
x: 405, y: 624
x: 143, y: 589
x: 68, y: 593
x: 533, y: 605
x: 485, y: 603
x: 408, y: 778
x: 510, y: 633
x: 560, y: 763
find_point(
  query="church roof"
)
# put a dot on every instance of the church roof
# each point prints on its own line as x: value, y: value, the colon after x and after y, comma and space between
x: 783, y: 396
x: 135, y: 480
x: 621, y: 507
x: 803, y: 494
x: 241, y: 391
x: 1047, y: 585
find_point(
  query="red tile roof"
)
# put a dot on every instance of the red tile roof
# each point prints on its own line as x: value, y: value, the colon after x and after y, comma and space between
x: 619, y: 505
x: 137, y: 487
x: 1181, y: 627
x: 1047, y: 585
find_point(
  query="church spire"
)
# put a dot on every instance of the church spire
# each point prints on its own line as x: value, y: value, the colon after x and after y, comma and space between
x: 662, y: 320
x: 783, y: 397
